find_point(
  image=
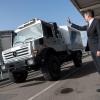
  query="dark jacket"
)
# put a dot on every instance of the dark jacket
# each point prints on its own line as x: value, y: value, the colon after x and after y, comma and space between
x: 93, y: 33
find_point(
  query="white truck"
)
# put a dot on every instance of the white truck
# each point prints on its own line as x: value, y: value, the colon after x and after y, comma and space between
x: 39, y: 45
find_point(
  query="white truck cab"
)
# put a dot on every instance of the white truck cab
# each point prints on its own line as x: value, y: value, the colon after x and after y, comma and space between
x: 39, y: 45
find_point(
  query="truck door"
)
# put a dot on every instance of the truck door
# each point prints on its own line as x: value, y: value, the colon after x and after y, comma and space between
x: 53, y: 39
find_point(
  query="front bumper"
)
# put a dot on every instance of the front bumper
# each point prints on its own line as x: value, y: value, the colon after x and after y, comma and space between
x: 21, y: 64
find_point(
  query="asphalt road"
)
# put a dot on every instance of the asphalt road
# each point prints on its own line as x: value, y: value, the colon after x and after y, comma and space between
x: 75, y: 84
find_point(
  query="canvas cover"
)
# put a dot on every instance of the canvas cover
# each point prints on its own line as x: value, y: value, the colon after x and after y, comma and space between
x: 72, y: 38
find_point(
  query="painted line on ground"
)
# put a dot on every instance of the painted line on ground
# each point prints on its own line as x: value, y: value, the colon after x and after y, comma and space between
x: 41, y: 92
x: 52, y: 85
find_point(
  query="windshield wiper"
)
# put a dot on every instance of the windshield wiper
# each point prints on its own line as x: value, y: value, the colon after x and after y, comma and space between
x: 28, y: 39
x: 18, y: 42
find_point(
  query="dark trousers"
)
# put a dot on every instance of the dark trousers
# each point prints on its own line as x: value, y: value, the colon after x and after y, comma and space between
x: 96, y: 61
x: 93, y: 45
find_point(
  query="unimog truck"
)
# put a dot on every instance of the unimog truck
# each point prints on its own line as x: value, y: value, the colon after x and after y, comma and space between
x: 41, y: 45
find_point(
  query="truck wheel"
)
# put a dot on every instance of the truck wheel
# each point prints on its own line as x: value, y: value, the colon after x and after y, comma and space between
x: 18, y: 76
x: 51, y: 68
x: 77, y: 59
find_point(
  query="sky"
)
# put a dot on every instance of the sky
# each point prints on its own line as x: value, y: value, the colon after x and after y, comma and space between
x: 15, y: 12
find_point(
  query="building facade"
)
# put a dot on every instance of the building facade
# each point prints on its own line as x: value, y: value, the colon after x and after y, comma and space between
x: 6, y: 41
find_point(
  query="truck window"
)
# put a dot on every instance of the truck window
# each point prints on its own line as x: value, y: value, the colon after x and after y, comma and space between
x: 47, y: 30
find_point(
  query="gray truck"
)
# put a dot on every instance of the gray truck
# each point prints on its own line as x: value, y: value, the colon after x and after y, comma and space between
x: 40, y: 45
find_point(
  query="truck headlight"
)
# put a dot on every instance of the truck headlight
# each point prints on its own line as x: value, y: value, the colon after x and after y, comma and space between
x: 3, y: 67
x: 30, y: 62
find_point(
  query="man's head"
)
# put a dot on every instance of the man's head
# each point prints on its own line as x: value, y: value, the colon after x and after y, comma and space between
x: 88, y: 15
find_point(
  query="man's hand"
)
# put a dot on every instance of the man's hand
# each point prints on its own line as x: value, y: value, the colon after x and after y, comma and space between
x: 69, y: 23
x: 98, y: 54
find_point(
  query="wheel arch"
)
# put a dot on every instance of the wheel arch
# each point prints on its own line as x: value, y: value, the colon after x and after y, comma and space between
x: 44, y: 54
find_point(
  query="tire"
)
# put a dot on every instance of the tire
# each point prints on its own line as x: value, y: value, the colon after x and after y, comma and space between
x: 51, y: 68
x: 77, y: 58
x: 18, y: 76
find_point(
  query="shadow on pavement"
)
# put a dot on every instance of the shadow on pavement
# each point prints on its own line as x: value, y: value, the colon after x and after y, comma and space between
x: 5, y: 83
x: 87, y: 69
x: 34, y: 79
x: 40, y: 78
x: 32, y: 84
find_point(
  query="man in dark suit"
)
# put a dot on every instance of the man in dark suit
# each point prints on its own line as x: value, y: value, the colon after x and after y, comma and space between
x: 93, y: 33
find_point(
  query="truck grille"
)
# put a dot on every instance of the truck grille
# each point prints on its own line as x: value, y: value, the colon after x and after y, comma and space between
x: 17, y: 53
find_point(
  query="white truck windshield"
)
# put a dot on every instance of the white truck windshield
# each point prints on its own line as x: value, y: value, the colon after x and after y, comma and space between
x: 30, y: 32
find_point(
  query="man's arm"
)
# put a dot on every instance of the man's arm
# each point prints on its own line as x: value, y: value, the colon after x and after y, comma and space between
x: 81, y: 28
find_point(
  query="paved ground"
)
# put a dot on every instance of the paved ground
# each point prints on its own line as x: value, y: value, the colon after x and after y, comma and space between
x: 75, y: 84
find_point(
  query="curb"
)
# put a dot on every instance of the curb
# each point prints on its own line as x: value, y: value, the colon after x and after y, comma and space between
x: 4, y: 79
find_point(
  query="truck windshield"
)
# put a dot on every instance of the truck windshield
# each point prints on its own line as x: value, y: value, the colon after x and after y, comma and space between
x: 30, y: 32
